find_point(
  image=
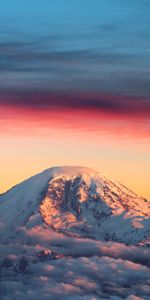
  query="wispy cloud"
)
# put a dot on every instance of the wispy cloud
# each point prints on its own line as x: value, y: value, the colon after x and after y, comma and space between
x: 81, y: 113
x: 116, y: 104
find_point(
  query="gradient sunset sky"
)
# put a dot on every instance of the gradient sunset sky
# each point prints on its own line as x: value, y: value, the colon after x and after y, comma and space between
x: 75, y: 88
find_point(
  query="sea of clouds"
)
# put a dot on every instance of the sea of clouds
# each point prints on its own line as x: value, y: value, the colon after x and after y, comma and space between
x: 88, y: 269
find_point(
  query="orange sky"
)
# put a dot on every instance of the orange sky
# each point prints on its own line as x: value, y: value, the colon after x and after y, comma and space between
x: 115, y: 144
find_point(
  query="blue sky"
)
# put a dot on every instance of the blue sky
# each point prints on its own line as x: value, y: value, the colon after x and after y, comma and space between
x: 97, y: 45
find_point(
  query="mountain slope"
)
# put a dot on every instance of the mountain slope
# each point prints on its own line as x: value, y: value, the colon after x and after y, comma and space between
x: 78, y: 202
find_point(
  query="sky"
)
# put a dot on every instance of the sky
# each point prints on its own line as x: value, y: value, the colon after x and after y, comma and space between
x: 74, y: 88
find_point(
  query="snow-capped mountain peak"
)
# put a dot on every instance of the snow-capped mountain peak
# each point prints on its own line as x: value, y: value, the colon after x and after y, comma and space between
x: 76, y: 201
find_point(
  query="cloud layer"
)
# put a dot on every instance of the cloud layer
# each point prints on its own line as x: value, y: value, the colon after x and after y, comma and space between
x: 104, y: 47
x: 88, y: 270
x: 78, y: 112
x: 111, y: 104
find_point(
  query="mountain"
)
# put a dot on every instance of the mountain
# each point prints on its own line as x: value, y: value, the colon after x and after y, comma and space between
x: 76, y: 202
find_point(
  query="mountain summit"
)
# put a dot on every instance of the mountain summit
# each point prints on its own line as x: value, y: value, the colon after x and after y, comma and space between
x: 75, y: 201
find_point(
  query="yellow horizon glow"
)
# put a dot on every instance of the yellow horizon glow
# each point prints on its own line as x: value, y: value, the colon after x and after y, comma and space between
x: 126, y: 162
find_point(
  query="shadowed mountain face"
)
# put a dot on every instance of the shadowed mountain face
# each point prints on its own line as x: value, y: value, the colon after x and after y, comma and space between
x: 76, y: 202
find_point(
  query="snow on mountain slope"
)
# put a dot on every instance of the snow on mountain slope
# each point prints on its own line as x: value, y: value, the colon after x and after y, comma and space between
x: 78, y: 202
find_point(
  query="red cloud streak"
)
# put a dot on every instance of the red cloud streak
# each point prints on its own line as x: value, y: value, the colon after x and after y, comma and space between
x: 28, y: 113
